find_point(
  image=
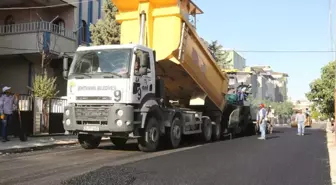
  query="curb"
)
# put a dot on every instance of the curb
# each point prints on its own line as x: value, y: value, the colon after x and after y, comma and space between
x: 35, y: 148
x: 43, y: 147
x: 331, y: 149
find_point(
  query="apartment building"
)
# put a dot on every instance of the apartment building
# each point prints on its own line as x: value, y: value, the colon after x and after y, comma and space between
x: 233, y: 61
x: 266, y: 84
x: 54, y: 26
x: 272, y: 85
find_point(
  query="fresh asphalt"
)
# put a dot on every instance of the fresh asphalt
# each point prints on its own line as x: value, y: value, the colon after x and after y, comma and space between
x: 283, y: 159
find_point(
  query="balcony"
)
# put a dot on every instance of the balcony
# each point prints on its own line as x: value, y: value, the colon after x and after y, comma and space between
x: 33, y: 37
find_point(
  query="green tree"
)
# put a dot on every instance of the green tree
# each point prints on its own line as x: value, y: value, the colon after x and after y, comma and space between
x: 107, y: 30
x: 280, y: 108
x: 219, y: 53
x: 322, y: 90
x: 44, y: 87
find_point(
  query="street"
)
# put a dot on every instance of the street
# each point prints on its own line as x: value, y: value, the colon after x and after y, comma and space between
x: 283, y: 159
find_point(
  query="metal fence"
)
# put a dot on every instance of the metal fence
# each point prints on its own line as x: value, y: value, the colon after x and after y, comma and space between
x: 36, y: 27
x: 57, y: 105
x: 25, y: 102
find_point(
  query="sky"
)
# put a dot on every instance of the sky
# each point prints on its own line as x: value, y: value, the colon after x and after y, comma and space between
x: 261, y: 25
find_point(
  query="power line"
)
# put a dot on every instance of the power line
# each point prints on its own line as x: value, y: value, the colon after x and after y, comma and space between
x: 282, y: 51
x: 46, y: 6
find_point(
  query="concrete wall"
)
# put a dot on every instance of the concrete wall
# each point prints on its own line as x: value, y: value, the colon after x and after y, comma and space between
x: 236, y: 61
x: 18, y: 72
x: 26, y: 16
x: 30, y: 43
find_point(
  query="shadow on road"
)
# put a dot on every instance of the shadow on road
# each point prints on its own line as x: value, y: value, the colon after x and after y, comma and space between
x: 272, y: 137
x: 133, y: 146
x: 278, y: 132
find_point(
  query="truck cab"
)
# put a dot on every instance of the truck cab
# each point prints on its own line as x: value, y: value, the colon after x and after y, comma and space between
x: 106, y: 85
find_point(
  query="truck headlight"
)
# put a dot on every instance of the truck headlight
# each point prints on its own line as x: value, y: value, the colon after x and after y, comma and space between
x: 67, y: 112
x: 119, y: 123
x: 120, y: 112
x: 67, y: 122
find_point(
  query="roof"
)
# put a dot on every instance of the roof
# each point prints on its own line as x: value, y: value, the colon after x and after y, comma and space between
x: 194, y: 8
x: 279, y: 73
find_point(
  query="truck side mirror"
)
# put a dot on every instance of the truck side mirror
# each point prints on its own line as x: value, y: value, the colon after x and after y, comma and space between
x: 143, y: 71
x: 144, y: 62
x: 65, y: 67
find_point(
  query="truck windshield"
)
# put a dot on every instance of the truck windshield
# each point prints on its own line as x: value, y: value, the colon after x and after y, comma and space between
x: 113, y: 61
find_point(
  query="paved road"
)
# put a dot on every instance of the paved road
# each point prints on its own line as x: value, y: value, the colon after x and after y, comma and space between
x: 284, y: 159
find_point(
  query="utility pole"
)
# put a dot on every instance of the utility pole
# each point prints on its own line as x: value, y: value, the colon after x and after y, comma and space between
x: 335, y: 100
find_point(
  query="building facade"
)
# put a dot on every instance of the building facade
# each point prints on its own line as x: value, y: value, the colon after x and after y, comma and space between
x: 266, y: 84
x: 30, y: 27
x: 233, y: 61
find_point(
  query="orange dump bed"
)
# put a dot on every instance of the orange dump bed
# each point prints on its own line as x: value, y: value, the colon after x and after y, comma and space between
x: 184, y: 62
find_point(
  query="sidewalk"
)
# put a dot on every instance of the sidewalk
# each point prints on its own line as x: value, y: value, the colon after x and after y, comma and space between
x: 331, y: 143
x: 35, y: 143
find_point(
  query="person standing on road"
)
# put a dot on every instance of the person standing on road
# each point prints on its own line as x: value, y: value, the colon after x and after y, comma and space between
x: 8, y: 103
x: 270, y: 119
x: 261, y: 120
x: 300, y: 120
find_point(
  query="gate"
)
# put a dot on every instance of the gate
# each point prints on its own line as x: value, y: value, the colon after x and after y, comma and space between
x: 56, y: 110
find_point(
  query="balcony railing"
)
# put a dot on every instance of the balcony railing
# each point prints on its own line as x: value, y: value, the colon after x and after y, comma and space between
x: 36, y: 27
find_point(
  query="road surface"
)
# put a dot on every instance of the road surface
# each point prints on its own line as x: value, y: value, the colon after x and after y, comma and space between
x: 283, y: 159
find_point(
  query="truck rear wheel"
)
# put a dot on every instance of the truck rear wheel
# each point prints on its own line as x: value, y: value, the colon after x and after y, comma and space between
x: 89, y: 141
x: 118, y: 142
x: 149, y: 140
x: 206, y: 129
x: 174, y: 133
x: 216, y: 131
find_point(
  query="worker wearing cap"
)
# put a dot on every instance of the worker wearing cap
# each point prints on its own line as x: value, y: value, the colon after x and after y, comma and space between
x: 261, y: 119
x: 8, y: 103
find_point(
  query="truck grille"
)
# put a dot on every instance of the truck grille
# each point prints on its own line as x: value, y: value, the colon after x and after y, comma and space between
x: 91, y: 114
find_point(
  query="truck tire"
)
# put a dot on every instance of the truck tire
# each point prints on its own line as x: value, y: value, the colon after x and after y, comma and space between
x: 149, y: 141
x: 216, y: 131
x: 206, y: 130
x: 250, y: 129
x: 118, y: 142
x: 89, y: 141
x: 174, y: 133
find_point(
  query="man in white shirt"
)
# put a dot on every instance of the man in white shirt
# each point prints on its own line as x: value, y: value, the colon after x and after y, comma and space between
x: 270, y: 119
x: 300, y: 120
x: 8, y: 103
x: 261, y: 120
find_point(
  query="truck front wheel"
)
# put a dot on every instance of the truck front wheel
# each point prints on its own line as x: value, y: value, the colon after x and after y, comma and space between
x: 89, y: 141
x: 149, y: 140
x: 118, y: 142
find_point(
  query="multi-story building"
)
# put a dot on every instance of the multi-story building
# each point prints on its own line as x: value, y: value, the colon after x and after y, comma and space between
x: 302, y: 104
x: 28, y: 27
x: 273, y: 85
x: 266, y: 84
x: 281, y: 83
x: 233, y: 61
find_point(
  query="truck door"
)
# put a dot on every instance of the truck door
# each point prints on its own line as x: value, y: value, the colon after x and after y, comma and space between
x: 144, y: 75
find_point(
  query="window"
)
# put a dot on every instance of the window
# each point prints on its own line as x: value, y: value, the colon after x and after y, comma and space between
x: 141, y: 68
x: 83, y: 29
x: 9, y: 21
x: 114, y: 61
x: 59, y: 26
